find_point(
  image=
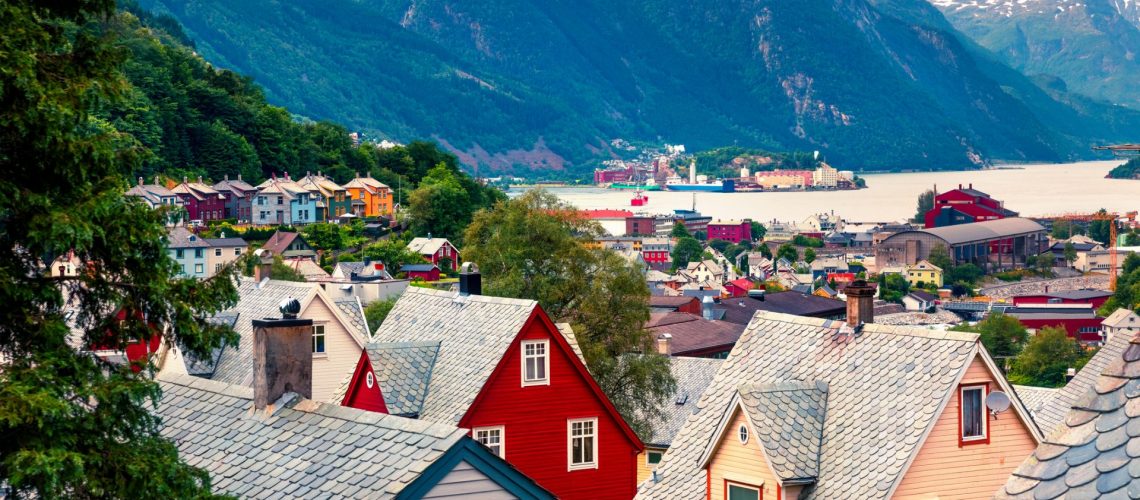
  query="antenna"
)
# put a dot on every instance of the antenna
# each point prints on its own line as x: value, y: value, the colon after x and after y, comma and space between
x: 997, y: 402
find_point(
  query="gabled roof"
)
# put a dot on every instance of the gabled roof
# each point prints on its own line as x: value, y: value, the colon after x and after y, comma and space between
x: 740, y: 309
x: 692, y: 333
x: 427, y: 246
x: 279, y: 242
x: 236, y: 186
x: 153, y: 193
x: 368, y: 183
x: 198, y: 190
x: 924, y: 265
x: 300, y: 449
x: 1034, y: 398
x: 403, y: 370
x: 319, y: 184
x: 1122, y: 318
x: 180, y: 237
x: 1050, y: 414
x: 423, y: 268
x: 474, y: 332
x: 693, y: 376
x: 1093, y: 452
x: 923, y: 296
x: 864, y: 452
x: 309, y: 269
x: 353, y: 311
x: 787, y: 418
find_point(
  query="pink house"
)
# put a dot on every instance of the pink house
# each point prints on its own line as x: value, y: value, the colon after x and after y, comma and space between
x: 730, y: 230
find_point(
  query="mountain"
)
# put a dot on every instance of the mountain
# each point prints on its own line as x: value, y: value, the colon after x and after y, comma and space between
x: 545, y: 85
x: 1090, y: 45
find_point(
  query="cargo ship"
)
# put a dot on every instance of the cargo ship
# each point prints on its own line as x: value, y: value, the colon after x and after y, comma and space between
x: 630, y: 185
x: 696, y: 184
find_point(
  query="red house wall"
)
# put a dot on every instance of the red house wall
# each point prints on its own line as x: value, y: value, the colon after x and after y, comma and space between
x: 434, y: 258
x: 432, y: 275
x: 1072, y: 326
x: 191, y: 204
x: 359, y: 395
x: 535, y: 425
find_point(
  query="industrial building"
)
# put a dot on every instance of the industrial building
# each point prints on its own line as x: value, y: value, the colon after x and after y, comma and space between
x: 991, y: 245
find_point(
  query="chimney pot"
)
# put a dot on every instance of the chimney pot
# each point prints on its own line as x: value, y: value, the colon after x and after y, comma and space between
x: 282, y: 359
x: 470, y: 281
x: 665, y: 344
x: 860, y: 303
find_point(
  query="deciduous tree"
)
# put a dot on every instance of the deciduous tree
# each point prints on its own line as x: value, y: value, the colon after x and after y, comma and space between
x: 685, y: 251
x: 1046, y: 358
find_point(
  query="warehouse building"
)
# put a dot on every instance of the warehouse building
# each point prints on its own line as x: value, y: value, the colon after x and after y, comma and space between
x: 992, y: 245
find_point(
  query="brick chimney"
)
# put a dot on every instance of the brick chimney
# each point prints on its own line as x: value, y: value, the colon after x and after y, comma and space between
x: 263, y: 269
x: 470, y: 281
x: 665, y: 344
x: 860, y: 303
x: 282, y: 356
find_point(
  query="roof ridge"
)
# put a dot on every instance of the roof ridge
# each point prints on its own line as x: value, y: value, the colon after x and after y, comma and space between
x: 906, y: 331
x: 486, y: 299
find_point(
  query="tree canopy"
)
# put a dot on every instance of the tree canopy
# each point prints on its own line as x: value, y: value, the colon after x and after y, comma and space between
x: 1046, y: 358
x: 532, y: 247
x: 925, y: 204
x: 75, y: 425
x: 685, y: 251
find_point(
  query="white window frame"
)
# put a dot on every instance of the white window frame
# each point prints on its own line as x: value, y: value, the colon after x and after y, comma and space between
x: 546, y: 362
x: 648, y: 453
x: 502, y: 444
x: 570, y: 465
x: 728, y: 484
x: 324, y: 337
x: 962, y: 413
x: 742, y: 434
x: 369, y: 379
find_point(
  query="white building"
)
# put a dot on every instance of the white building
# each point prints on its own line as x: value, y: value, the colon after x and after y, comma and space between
x: 825, y: 176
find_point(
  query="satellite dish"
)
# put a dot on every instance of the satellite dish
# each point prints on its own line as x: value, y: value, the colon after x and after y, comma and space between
x: 997, y: 402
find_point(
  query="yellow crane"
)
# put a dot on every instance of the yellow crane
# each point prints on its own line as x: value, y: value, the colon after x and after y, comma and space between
x: 1112, y: 218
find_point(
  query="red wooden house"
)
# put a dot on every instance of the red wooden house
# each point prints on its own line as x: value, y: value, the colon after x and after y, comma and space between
x: 134, y: 352
x: 426, y: 272
x: 501, y: 368
x: 739, y: 288
x: 436, y: 251
x: 202, y: 202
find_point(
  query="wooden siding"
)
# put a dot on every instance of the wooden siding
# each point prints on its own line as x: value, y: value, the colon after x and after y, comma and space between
x: 643, y: 468
x: 943, y: 469
x: 341, y: 351
x: 535, y: 418
x: 359, y: 395
x: 740, y: 463
x: 465, y: 481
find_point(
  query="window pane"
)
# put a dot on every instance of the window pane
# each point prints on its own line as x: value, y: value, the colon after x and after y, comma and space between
x: 972, y: 413
x: 654, y: 458
x: 736, y: 492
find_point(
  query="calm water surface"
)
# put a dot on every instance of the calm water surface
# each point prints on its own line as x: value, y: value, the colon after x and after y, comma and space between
x: 1033, y: 190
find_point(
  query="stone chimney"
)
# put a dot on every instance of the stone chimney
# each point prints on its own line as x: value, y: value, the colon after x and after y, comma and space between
x: 860, y: 303
x: 470, y: 281
x: 282, y: 356
x: 665, y: 344
x: 264, y: 267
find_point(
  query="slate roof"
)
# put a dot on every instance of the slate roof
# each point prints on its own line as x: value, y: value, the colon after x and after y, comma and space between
x: 1049, y: 415
x: 787, y: 418
x: 236, y: 186
x: 205, y: 367
x: 180, y: 237
x: 474, y: 332
x: 153, y: 193
x: 236, y: 365
x: 309, y: 269
x: 403, y: 370
x: 226, y: 242
x: 1084, y: 294
x: 1095, y: 451
x: 693, y: 376
x: 347, y: 268
x: 863, y: 451
x: 352, y: 310
x: 1034, y: 398
x: 304, y: 449
x: 1121, y: 318
x: 279, y: 242
x: 924, y: 296
x: 423, y: 268
x: 740, y: 309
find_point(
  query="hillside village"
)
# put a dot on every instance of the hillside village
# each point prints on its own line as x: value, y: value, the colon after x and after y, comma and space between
x: 728, y: 314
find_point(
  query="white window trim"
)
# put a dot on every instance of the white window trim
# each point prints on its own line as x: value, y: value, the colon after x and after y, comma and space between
x: 962, y: 413
x: 369, y: 379
x: 570, y: 465
x: 502, y: 437
x: 546, y: 362
x: 728, y: 483
x: 743, y: 434
x: 651, y: 464
x: 324, y: 334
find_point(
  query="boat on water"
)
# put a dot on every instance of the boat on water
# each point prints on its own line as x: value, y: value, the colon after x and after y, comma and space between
x: 724, y: 186
x: 639, y: 199
x: 630, y: 185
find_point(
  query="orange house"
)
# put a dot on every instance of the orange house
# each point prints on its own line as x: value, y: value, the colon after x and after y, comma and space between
x: 370, y: 197
x: 813, y: 408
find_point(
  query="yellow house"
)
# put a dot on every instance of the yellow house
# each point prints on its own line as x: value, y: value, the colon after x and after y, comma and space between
x: 813, y: 408
x: 924, y: 272
x: 370, y: 197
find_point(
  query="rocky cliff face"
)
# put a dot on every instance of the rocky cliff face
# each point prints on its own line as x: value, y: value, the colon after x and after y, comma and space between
x: 516, y: 84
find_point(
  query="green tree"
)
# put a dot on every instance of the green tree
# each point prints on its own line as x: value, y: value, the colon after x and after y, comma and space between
x: 685, y: 251
x: 925, y: 204
x: 73, y: 425
x: 809, y: 255
x: 376, y: 311
x: 893, y: 287
x: 324, y: 236
x: 221, y: 152
x: 1070, y: 253
x: 1046, y: 358
x: 284, y: 272
x: 533, y: 247
x: 1064, y: 229
x: 764, y: 250
x: 788, y: 251
x: 440, y: 206
x: 393, y: 252
x: 966, y: 273
x: 758, y: 231
x: 1003, y: 335
x: 1099, y: 229
x: 680, y: 231
x: 940, y: 256
x: 719, y: 245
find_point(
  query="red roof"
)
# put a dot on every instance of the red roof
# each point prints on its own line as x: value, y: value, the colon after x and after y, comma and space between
x: 743, y: 283
x: 606, y: 213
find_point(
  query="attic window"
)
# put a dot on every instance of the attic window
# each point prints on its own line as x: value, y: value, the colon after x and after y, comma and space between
x: 973, y: 424
x: 742, y: 433
x: 369, y: 380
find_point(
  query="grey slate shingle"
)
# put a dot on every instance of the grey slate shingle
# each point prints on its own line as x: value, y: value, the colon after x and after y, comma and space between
x: 693, y: 376
x: 236, y: 364
x: 473, y: 331
x: 254, y: 460
x: 403, y: 370
x: 1052, y: 412
x: 862, y: 452
x: 353, y: 311
x: 788, y: 418
x: 1094, y: 452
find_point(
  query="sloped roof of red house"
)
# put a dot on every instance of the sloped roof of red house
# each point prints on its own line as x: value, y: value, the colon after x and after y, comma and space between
x: 279, y: 242
x: 743, y: 283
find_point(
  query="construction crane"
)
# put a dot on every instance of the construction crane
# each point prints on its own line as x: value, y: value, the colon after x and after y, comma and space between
x: 1112, y: 218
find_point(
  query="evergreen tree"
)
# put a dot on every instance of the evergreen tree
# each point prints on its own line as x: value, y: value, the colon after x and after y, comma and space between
x: 74, y: 425
x: 685, y: 251
x: 925, y: 204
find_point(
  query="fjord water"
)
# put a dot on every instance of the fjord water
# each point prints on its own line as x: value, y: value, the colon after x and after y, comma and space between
x: 1031, y: 190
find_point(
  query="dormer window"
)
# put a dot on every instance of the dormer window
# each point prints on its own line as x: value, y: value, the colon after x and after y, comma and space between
x: 535, y: 362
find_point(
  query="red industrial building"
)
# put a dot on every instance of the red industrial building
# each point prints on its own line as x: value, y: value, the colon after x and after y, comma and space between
x: 730, y: 230
x: 1079, y: 320
x: 964, y: 205
x: 1094, y: 298
x: 501, y: 368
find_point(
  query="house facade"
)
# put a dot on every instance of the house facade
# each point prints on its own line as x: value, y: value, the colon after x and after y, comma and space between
x: 223, y: 251
x: 332, y: 200
x: 281, y: 201
x: 189, y: 251
x: 370, y: 197
x: 501, y: 368
x: 730, y: 230
x: 925, y: 273
x: 238, y: 196
x: 202, y: 202
x: 438, y: 251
